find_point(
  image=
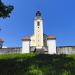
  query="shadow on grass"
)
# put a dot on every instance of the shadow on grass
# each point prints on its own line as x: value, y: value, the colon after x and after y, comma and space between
x: 38, y: 65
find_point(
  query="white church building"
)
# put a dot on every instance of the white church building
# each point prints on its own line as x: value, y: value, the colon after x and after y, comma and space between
x: 39, y: 42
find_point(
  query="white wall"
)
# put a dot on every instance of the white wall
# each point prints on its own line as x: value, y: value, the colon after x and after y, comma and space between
x: 51, y: 43
x: 25, y: 47
x: 38, y: 32
x: 32, y: 42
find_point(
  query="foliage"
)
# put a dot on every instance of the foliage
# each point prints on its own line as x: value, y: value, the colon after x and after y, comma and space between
x: 5, y: 10
x: 37, y: 64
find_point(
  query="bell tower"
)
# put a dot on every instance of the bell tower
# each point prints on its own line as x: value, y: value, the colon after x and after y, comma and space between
x: 38, y: 30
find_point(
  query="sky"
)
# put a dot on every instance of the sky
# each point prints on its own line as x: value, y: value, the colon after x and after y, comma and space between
x: 58, y: 17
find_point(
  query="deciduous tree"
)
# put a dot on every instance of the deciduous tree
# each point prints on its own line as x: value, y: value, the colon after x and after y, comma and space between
x: 5, y: 10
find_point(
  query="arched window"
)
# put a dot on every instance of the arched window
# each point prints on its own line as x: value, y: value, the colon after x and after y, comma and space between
x: 38, y: 23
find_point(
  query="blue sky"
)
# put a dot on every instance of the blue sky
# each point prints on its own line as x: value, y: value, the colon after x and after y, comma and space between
x: 58, y: 16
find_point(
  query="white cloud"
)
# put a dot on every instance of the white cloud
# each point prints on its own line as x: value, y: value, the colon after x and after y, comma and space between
x: 4, y: 47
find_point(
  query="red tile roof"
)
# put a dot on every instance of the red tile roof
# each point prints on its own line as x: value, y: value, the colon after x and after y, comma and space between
x: 51, y: 37
x: 26, y: 38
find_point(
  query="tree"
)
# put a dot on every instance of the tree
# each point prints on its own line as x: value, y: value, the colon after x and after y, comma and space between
x: 5, y: 10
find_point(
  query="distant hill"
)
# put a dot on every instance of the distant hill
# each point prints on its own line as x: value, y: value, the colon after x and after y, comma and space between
x: 37, y: 64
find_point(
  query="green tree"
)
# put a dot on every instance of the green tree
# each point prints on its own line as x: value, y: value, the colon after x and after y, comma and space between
x: 5, y: 10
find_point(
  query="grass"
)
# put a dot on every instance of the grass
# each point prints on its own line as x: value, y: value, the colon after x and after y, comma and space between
x: 37, y: 64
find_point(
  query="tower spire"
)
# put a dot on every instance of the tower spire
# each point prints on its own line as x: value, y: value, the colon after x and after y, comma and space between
x: 38, y: 13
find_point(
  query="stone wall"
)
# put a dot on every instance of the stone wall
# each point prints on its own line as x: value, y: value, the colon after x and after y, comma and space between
x: 66, y: 50
x: 10, y: 50
x: 59, y: 50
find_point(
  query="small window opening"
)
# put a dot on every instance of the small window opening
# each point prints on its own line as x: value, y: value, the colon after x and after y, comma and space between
x: 38, y: 23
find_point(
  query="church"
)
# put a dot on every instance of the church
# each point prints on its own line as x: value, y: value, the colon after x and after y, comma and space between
x: 39, y: 41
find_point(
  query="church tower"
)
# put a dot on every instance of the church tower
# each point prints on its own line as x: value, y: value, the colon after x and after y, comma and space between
x: 38, y: 30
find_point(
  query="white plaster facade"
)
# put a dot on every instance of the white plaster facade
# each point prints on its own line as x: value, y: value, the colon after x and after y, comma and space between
x: 39, y: 40
x: 38, y: 32
x: 26, y: 45
x: 51, y: 43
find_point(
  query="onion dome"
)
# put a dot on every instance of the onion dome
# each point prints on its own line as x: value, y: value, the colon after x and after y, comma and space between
x: 38, y: 13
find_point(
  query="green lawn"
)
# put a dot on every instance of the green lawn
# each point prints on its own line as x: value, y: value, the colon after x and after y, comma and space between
x: 37, y: 64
